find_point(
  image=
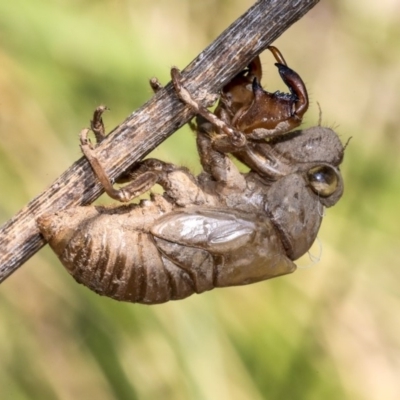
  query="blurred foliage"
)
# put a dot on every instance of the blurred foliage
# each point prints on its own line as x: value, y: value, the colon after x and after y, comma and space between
x: 330, y: 331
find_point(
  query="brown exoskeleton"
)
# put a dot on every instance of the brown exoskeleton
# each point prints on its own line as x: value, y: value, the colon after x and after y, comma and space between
x: 247, y: 117
x: 222, y: 228
x: 246, y: 106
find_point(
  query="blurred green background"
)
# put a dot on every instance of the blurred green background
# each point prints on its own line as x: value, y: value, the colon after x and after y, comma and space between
x: 329, y: 331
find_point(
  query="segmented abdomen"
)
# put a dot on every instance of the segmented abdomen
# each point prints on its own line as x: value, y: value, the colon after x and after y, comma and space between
x: 124, y: 265
x: 115, y: 257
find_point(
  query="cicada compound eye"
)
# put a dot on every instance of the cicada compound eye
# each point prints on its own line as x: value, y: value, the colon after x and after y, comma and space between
x: 323, y: 180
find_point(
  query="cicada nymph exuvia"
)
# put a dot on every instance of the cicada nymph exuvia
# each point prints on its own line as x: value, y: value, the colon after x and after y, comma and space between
x: 221, y: 228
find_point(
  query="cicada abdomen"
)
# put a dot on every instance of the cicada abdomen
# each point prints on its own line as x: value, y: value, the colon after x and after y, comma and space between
x: 112, y: 252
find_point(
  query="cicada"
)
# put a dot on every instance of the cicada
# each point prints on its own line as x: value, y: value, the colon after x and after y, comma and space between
x: 220, y: 228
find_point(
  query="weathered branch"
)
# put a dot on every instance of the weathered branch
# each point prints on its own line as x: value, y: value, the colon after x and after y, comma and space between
x: 146, y: 128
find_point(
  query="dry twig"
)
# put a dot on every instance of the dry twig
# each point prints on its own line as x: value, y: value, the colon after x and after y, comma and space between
x: 146, y: 128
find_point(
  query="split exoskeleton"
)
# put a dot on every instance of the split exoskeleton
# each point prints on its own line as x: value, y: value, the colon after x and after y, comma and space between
x: 221, y: 228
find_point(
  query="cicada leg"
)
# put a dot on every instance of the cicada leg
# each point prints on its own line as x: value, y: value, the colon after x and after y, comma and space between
x: 97, y: 125
x: 178, y: 183
x: 237, y: 139
x: 141, y: 183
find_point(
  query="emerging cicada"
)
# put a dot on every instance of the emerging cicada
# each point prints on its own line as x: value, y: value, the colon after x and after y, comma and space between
x: 221, y: 228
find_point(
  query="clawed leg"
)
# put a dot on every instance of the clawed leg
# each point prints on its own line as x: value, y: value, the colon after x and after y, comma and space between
x: 142, y: 176
x: 141, y: 181
x: 236, y: 138
x: 97, y: 125
x: 156, y: 86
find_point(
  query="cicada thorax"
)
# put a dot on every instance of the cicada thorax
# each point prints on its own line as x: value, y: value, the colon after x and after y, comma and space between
x: 112, y: 252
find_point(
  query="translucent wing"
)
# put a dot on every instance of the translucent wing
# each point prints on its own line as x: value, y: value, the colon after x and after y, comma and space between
x: 214, y: 229
x: 232, y: 247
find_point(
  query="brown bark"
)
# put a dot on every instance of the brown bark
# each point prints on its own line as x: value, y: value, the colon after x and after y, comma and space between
x: 151, y: 124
